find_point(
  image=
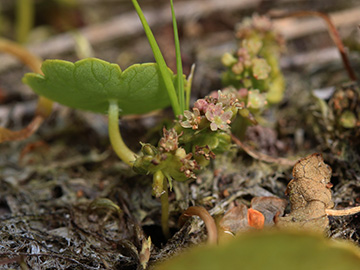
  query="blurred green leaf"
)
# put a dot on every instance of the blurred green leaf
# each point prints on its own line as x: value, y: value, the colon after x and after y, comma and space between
x: 270, y: 250
x: 348, y: 119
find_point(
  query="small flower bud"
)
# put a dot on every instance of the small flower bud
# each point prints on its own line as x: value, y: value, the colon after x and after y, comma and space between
x: 237, y: 68
x: 228, y: 60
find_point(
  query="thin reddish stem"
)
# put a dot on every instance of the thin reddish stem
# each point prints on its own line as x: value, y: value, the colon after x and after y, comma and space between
x: 206, y: 217
x: 260, y: 156
x: 44, y: 106
x: 333, y: 33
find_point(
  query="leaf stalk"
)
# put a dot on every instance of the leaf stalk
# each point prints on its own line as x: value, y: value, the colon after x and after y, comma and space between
x: 120, y: 148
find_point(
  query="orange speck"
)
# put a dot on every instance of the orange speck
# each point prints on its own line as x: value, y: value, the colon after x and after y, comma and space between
x: 255, y: 219
x: 79, y: 193
x: 217, y: 172
x: 329, y: 185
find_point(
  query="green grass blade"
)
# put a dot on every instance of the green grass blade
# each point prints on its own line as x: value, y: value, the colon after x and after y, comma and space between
x: 188, y: 87
x: 160, y: 61
x: 24, y: 19
x: 179, y: 69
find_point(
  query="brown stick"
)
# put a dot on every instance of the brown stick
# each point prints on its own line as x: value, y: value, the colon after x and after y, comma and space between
x: 44, y: 106
x: 343, y: 212
x: 9, y: 135
x: 261, y: 156
x: 205, y: 216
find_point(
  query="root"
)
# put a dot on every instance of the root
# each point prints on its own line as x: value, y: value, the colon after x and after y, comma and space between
x: 343, y: 212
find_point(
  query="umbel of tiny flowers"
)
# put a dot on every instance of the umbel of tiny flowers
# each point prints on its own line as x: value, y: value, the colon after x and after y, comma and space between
x: 247, y: 69
x: 188, y: 146
x: 218, y: 108
x: 247, y: 104
x: 166, y: 162
x: 259, y: 27
x: 214, y: 112
x: 255, y: 64
x: 168, y: 157
x: 208, y: 124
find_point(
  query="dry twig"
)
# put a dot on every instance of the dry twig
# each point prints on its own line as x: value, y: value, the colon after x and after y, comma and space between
x: 261, y: 156
x: 333, y: 33
x: 44, y: 106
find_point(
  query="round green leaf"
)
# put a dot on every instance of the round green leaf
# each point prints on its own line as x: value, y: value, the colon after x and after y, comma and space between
x: 91, y: 83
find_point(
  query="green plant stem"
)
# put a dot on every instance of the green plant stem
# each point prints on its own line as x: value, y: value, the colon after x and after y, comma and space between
x: 160, y: 61
x: 24, y: 19
x: 120, y: 148
x: 179, y: 69
x: 164, y: 198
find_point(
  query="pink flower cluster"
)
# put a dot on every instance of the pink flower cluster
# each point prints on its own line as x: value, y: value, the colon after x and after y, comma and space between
x: 217, y: 109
